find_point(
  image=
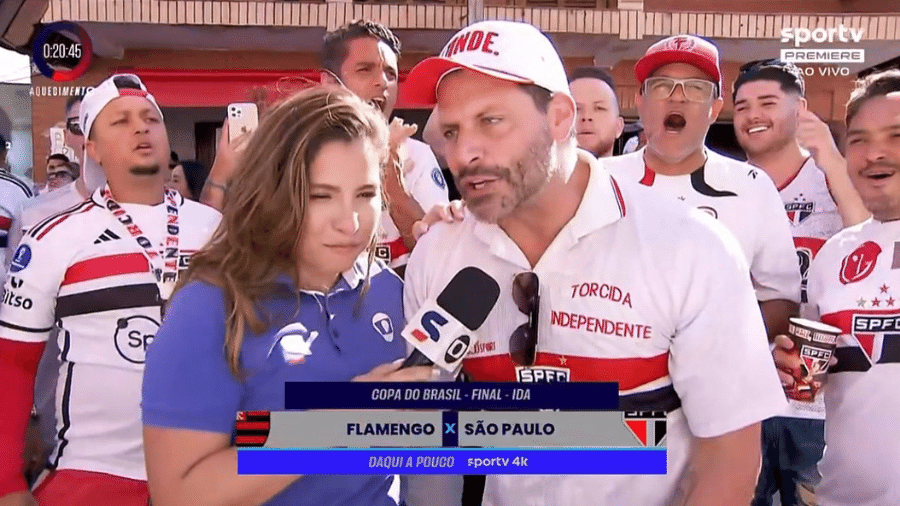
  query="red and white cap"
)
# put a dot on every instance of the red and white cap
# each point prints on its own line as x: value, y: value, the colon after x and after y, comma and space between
x: 689, y: 49
x: 516, y: 52
x: 91, y: 105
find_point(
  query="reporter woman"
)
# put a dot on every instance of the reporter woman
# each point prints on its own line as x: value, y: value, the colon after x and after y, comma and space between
x: 286, y: 290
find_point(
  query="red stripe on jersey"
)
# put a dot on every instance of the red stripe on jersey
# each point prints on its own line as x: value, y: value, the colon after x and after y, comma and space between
x: 102, y: 267
x: 60, y: 220
x: 649, y: 177
x: 792, y: 178
x: 398, y: 248
x: 619, y: 197
x: 5, y: 223
x: 629, y: 373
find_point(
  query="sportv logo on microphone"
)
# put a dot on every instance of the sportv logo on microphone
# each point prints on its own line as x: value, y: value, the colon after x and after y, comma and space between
x: 799, y: 54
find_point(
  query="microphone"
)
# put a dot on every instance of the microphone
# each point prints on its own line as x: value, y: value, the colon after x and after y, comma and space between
x: 442, y: 329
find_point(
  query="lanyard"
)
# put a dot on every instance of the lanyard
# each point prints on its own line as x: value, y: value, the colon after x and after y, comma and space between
x: 163, y: 266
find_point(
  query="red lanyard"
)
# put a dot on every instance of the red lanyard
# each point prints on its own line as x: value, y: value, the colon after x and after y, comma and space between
x: 164, y: 266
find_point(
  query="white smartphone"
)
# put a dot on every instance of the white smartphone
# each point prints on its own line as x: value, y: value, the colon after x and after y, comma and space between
x: 242, y: 118
x: 57, y: 140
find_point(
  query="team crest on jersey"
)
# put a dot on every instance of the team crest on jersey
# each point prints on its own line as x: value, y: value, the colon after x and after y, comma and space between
x: 871, y: 331
x: 383, y: 326
x: 295, y: 342
x: 438, y: 177
x: 858, y: 265
x: 798, y: 212
x: 542, y: 374
x: 648, y: 427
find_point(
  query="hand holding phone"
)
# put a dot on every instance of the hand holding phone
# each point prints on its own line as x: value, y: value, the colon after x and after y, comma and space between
x: 242, y: 118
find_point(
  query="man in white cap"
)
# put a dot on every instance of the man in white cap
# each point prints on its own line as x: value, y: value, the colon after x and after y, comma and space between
x: 680, y: 97
x: 545, y: 220
x: 100, y: 271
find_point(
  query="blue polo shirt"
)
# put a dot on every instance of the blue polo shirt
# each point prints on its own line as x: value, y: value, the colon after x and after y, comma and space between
x: 313, y: 337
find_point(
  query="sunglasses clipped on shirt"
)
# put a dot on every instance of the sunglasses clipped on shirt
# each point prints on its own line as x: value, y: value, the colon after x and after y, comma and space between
x: 523, y: 341
x: 695, y: 90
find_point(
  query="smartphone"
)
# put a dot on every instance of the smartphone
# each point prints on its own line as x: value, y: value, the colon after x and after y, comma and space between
x: 57, y: 140
x: 242, y: 118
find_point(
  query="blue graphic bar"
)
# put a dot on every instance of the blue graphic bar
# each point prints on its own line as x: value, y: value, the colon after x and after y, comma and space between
x: 451, y: 461
x: 452, y: 396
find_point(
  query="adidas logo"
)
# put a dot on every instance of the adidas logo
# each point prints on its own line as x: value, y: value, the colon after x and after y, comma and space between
x: 107, y: 235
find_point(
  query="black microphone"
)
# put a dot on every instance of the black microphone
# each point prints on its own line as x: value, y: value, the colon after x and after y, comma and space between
x: 442, y: 329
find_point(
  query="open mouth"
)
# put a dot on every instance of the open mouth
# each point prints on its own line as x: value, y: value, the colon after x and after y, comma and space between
x: 879, y: 172
x: 144, y: 146
x: 674, y: 122
x: 756, y: 129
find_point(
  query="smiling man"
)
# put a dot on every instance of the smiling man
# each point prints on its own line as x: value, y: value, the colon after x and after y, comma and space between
x: 853, y: 282
x: 680, y: 97
x: 795, y: 148
x: 598, y: 123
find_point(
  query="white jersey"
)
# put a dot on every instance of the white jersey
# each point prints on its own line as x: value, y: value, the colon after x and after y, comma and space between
x: 744, y: 200
x: 853, y: 283
x: 82, y: 271
x: 425, y: 182
x: 13, y: 193
x: 634, y: 290
x: 814, y: 218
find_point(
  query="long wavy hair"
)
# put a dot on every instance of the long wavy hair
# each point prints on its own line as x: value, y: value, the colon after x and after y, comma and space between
x: 260, y: 232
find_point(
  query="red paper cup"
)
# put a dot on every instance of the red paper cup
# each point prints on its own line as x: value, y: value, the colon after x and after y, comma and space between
x: 814, y: 343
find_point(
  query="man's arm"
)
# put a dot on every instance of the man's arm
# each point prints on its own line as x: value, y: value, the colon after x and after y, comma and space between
x: 223, y: 170
x: 723, y: 470
x: 815, y: 136
x: 776, y: 315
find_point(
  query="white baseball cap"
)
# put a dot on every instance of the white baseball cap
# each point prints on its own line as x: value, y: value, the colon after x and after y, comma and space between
x: 508, y: 50
x: 91, y: 105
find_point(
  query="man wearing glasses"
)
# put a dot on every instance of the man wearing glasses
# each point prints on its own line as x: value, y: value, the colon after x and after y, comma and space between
x: 59, y: 172
x: 588, y: 288
x: 680, y: 97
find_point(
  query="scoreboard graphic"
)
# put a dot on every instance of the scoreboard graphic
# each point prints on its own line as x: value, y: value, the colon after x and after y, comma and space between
x: 510, y: 431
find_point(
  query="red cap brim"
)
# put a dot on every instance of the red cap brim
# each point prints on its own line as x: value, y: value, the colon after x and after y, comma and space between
x: 420, y: 86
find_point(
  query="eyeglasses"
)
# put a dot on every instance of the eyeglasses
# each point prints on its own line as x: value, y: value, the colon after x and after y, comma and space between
x: 695, y: 90
x: 60, y: 175
x: 523, y: 341
x: 73, y: 126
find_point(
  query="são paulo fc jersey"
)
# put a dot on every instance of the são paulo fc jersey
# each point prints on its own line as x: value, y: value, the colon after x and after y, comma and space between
x: 13, y: 193
x: 613, y: 308
x: 82, y: 271
x: 814, y: 218
x: 854, y: 284
x: 743, y: 199
x: 425, y: 182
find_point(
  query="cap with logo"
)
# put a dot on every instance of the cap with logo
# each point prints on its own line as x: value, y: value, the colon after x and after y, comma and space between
x: 515, y: 52
x: 689, y: 49
x: 91, y: 105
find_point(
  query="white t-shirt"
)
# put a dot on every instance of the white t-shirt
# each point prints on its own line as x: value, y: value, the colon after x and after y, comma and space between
x: 854, y: 284
x: 744, y: 199
x: 634, y: 289
x: 814, y: 218
x: 82, y: 271
x: 425, y: 182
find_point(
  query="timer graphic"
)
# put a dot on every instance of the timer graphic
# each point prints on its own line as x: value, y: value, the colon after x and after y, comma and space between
x: 62, y: 51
